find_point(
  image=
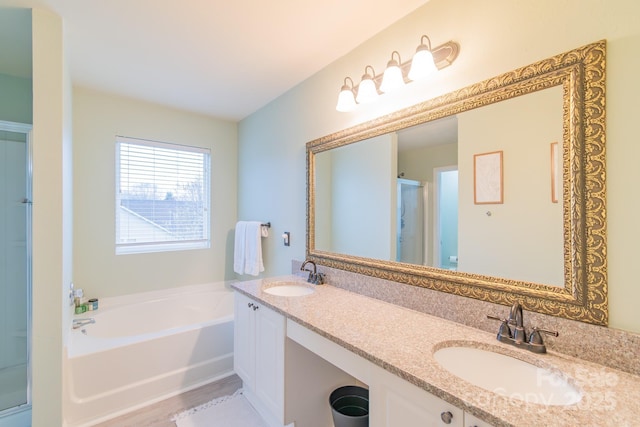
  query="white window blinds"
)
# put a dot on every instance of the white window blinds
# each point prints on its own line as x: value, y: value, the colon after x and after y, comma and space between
x: 162, y: 196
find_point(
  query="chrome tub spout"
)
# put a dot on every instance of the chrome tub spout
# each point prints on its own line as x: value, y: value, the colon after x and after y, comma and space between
x: 79, y: 323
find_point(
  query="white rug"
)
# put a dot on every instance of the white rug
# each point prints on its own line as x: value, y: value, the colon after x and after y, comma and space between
x: 227, y: 411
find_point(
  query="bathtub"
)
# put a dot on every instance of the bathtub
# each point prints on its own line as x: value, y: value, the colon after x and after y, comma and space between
x: 147, y: 347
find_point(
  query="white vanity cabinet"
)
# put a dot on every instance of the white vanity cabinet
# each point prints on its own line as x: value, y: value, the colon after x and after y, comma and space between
x: 471, y: 421
x: 259, y: 356
x: 299, y: 391
x: 395, y: 402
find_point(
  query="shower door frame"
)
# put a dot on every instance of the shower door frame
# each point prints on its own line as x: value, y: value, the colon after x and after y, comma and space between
x: 26, y: 129
x: 424, y: 194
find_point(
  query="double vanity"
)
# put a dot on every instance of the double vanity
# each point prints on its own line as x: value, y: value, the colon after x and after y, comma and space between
x: 296, y: 342
x: 539, y: 247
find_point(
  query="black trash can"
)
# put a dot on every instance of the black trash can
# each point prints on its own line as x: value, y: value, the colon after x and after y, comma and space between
x: 350, y: 406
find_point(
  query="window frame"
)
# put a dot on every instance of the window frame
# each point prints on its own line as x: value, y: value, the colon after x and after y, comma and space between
x: 123, y: 248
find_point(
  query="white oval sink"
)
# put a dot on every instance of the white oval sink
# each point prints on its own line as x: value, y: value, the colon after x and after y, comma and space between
x: 288, y: 289
x: 508, y: 376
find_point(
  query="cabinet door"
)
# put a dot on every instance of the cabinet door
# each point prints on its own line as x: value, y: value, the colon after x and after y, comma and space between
x: 396, y: 402
x: 471, y: 421
x: 244, y: 353
x: 269, y: 370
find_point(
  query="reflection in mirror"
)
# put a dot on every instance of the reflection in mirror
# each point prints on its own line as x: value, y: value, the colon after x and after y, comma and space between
x: 521, y: 238
x: 522, y: 217
x: 408, y: 196
x: 428, y: 155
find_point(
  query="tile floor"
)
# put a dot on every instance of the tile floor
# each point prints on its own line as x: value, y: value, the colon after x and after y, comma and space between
x: 160, y: 414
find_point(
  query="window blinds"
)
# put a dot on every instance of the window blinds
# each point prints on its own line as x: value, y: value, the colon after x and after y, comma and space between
x: 162, y: 196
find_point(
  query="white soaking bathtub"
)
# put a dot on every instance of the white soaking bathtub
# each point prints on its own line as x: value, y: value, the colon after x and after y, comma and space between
x: 146, y: 347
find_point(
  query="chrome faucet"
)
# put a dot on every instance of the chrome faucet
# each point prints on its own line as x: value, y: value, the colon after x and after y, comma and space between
x: 518, y: 336
x: 79, y: 323
x: 314, y: 277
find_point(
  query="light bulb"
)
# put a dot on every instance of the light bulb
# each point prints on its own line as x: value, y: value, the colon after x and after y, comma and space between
x: 422, y: 64
x: 392, y: 78
x: 367, y: 91
x: 346, y: 100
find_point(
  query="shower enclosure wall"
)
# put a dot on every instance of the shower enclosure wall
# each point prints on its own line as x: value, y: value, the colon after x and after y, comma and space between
x: 15, y: 269
x: 427, y: 220
x: 411, y: 222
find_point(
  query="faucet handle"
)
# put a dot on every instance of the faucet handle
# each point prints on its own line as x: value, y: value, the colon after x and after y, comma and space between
x: 504, y: 332
x: 505, y: 322
x: 535, y: 343
x: 536, y: 338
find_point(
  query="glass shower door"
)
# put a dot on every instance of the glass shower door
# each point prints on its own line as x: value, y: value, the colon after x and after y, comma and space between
x: 411, y: 222
x: 14, y: 269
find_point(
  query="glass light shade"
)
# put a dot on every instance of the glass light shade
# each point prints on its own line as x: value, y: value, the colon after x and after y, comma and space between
x: 346, y: 100
x: 367, y: 91
x: 422, y: 64
x: 392, y: 78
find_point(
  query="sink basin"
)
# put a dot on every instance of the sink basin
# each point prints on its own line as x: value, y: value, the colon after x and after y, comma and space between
x: 288, y: 289
x: 508, y: 376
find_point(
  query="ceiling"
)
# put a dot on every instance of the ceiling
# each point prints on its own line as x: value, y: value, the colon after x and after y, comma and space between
x: 221, y: 58
x: 437, y: 132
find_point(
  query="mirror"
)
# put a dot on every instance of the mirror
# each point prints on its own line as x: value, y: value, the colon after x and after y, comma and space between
x: 396, y: 196
x: 495, y: 191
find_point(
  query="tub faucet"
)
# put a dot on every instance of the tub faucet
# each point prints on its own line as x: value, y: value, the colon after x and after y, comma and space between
x: 79, y: 323
x: 314, y: 277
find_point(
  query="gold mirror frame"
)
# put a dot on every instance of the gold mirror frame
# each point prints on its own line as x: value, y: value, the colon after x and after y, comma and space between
x: 581, y: 73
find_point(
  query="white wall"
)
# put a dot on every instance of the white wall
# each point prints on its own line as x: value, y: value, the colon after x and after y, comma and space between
x: 324, y: 200
x: 495, y: 36
x: 51, y: 221
x: 499, y: 244
x: 98, y: 118
x: 418, y: 163
x: 363, y: 178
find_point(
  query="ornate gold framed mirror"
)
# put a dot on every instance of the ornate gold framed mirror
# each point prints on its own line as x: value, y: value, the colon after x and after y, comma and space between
x: 555, y: 265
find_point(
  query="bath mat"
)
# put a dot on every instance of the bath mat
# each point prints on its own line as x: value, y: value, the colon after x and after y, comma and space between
x: 228, y: 411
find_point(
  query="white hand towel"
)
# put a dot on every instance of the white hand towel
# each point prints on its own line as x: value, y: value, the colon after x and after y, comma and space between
x: 239, y: 247
x: 253, y: 249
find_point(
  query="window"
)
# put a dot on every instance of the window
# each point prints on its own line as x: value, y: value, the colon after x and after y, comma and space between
x: 162, y: 196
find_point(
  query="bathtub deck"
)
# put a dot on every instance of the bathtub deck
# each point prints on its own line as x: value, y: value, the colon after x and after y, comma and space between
x: 160, y: 414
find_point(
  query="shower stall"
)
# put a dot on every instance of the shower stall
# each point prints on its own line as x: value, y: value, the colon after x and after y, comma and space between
x: 411, y: 217
x: 427, y: 220
x: 15, y: 270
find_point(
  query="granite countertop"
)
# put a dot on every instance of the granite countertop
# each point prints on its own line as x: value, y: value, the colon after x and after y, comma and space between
x: 403, y: 341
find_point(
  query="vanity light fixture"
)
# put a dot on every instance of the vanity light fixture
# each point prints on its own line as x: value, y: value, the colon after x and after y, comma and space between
x: 392, y: 78
x: 346, y: 98
x: 367, y: 89
x: 424, y: 63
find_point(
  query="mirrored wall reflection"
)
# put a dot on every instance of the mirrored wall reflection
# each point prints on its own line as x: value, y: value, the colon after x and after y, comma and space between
x: 412, y: 195
x: 428, y: 154
x: 411, y: 226
x: 392, y: 197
